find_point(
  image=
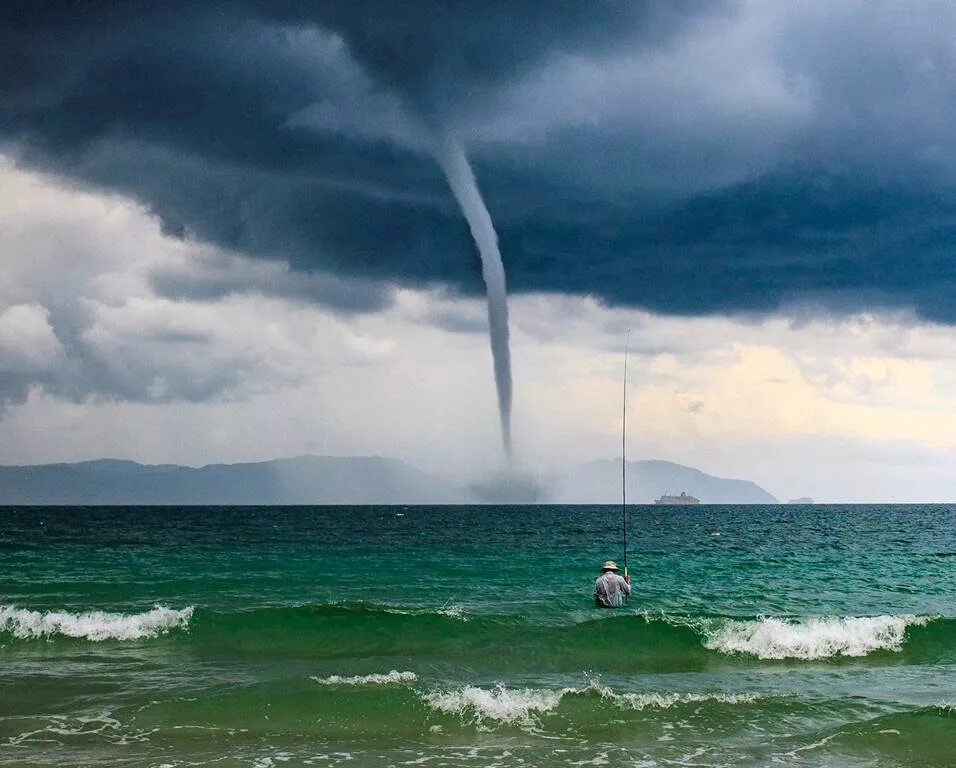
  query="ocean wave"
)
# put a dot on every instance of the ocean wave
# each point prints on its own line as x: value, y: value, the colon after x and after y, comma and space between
x: 25, y: 624
x: 449, y: 610
x: 809, y: 638
x: 389, y: 678
x: 640, y: 701
x: 334, y: 630
x: 453, y: 611
x: 523, y: 706
x: 511, y: 706
x: 363, y: 607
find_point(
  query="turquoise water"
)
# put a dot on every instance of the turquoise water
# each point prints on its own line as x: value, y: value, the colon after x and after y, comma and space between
x: 811, y: 636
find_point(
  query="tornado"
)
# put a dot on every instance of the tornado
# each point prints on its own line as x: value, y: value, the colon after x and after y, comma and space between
x: 461, y: 179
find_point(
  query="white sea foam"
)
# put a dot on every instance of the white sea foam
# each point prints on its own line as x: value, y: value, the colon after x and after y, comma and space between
x: 450, y: 610
x: 389, y: 678
x: 453, y: 611
x: 500, y: 704
x: 102, y: 725
x: 522, y: 706
x: 641, y: 701
x: 92, y: 625
x: 810, y: 638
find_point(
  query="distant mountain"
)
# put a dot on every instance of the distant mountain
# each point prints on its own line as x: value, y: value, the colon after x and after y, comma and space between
x: 301, y: 480
x: 354, y: 480
x: 599, y: 482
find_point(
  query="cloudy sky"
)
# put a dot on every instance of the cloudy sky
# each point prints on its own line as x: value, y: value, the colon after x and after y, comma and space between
x: 225, y: 234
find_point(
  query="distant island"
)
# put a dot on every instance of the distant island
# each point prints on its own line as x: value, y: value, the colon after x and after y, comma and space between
x: 355, y: 480
x: 802, y: 500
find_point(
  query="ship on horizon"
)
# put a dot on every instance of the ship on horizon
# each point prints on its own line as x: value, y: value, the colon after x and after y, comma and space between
x: 682, y: 499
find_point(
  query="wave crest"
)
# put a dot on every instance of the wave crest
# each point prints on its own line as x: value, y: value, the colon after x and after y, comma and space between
x: 500, y: 704
x: 810, y: 638
x: 389, y: 678
x: 640, y: 701
x: 25, y: 624
x: 522, y: 707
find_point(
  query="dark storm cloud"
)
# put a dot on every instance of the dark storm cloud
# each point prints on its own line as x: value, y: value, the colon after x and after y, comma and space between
x: 786, y: 238
x: 432, y: 50
x: 620, y: 155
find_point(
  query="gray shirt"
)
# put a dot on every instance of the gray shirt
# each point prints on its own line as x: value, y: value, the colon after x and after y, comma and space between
x: 608, y: 589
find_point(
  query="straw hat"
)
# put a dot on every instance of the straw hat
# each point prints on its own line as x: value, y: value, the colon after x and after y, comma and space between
x: 609, y: 565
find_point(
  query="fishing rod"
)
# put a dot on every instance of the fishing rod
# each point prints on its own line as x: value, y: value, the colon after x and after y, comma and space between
x: 627, y: 338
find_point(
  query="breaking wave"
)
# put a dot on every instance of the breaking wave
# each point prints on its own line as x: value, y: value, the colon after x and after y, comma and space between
x: 810, y: 638
x: 344, y: 630
x: 389, y: 678
x: 522, y: 706
x: 25, y: 624
x: 639, y: 701
x: 512, y: 706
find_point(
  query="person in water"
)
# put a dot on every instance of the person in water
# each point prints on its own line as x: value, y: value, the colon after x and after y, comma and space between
x: 609, y: 586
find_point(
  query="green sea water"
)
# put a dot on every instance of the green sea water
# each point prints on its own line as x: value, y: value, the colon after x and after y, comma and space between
x: 466, y: 636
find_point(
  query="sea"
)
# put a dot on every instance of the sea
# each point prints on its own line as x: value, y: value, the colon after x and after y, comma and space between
x: 467, y: 636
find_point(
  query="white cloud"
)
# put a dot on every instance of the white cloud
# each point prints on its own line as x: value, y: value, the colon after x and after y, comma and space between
x: 27, y: 341
x: 83, y: 312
